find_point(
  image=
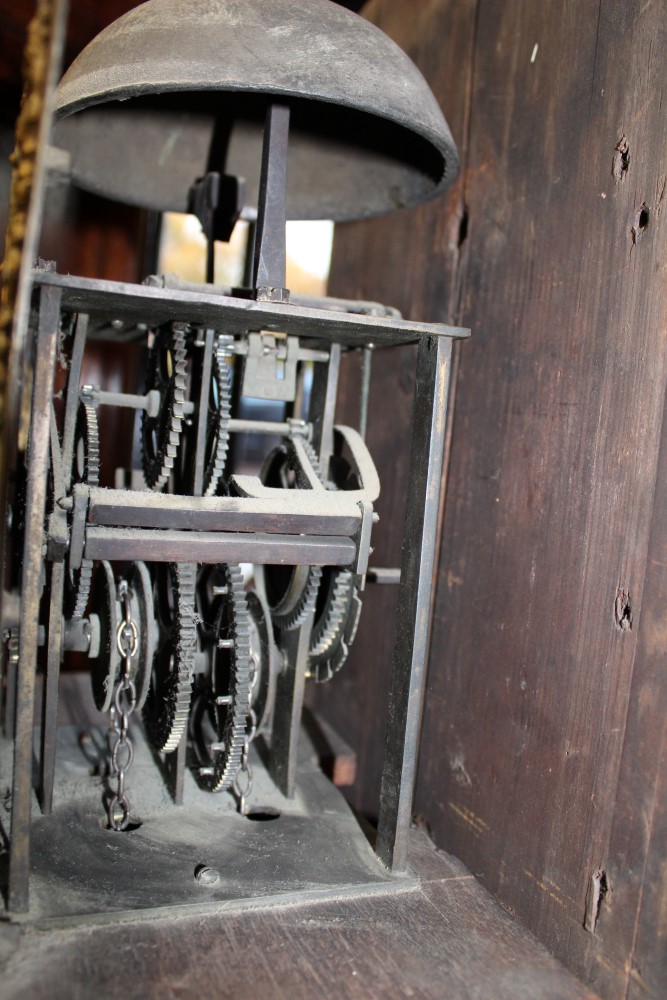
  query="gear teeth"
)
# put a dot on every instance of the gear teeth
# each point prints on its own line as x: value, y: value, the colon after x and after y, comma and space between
x: 158, y: 469
x: 166, y: 723
x: 336, y: 628
x: 305, y: 604
x: 218, y: 459
x: 227, y: 761
x: 87, y: 428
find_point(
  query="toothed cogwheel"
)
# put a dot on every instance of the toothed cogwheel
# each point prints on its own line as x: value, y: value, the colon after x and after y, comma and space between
x: 161, y: 434
x: 220, y: 715
x: 291, y: 590
x: 85, y: 469
x: 336, y: 623
x: 220, y: 402
x: 167, y: 705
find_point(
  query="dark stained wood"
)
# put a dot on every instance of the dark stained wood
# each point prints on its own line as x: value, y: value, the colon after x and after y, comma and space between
x: 632, y: 927
x: 559, y: 410
x: 447, y: 938
x: 553, y: 467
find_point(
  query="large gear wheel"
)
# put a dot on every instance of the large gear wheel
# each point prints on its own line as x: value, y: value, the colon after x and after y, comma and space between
x: 335, y: 626
x: 220, y: 401
x: 168, y: 702
x: 266, y: 660
x: 85, y: 469
x: 290, y: 590
x: 161, y: 434
x: 338, y: 605
x: 219, y: 719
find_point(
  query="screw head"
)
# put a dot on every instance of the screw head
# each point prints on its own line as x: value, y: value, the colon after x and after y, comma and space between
x: 206, y: 876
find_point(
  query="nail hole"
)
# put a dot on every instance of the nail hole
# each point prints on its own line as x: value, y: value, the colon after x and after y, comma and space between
x: 641, y: 222
x: 130, y: 828
x: 597, y: 890
x: 463, y: 227
x: 623, y: 610
x: 621, y: 160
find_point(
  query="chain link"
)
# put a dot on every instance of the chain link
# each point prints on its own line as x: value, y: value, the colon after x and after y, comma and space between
x: 243, y: 780
x: 122, y: 707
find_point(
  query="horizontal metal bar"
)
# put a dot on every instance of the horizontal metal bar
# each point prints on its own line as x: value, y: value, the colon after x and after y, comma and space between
x: 312, y: 301
x: 300, y: 512
x: 205, y: 547
x: 238, y: 426
x: 144, y: 304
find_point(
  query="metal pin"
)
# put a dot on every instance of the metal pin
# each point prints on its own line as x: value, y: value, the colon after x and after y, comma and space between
x: 216, y: 747
x: 220, y: 591
x: 224, y: 699
x: 226, y: 643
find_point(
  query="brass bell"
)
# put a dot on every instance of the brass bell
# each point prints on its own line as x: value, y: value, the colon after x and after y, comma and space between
x: 172, y: 90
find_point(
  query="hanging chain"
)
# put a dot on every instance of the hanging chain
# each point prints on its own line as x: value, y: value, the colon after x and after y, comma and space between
x: 122, y: 707
x: 242, y: 784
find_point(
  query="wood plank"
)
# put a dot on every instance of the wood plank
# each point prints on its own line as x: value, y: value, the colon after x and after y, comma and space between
x: 631, y: 929
x: 559, y: 410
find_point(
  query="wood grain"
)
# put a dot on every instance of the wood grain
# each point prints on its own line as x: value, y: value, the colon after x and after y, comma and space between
x: 543, y: 251
x: 558, y: 420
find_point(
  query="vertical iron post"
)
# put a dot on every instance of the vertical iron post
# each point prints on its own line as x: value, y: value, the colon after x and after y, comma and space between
x: 270, y: 254
x: 406, y: 695
x: 31, y: 588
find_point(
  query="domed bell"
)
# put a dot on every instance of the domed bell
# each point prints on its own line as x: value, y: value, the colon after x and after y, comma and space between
x: 174, y: 89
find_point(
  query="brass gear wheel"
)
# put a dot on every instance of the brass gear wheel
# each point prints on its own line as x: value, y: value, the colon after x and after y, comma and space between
x: 85, y: 469
x: 161, y: 434
x: 290, y: 590
x: 336, y: 623
x: 221, y: 708
x: 167, y: 704
x: 220, y: 407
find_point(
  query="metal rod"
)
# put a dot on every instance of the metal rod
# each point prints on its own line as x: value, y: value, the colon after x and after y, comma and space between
x: 365, y: 390
x: 270, y: 254
x: 129, y: 400
x: 38, y: 463
x: 204, y: 547
x: 413, y: 616
x: 323, y: 407
x: 47, y: 756
x: 384, y: 575
x: 284, y: 428
x: 72, y: 396
x: 290, y: 690
x: 204, y: 377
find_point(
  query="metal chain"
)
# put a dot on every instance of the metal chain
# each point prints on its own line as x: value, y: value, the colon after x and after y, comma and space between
x: 242, y: 784
x: 122, y: 707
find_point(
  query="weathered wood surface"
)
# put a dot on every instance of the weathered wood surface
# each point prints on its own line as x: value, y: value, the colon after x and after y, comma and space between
x: 532, y: 703
x: 446, y: 938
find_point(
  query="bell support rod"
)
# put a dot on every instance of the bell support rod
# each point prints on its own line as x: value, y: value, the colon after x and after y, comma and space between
x: 269, y: 264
